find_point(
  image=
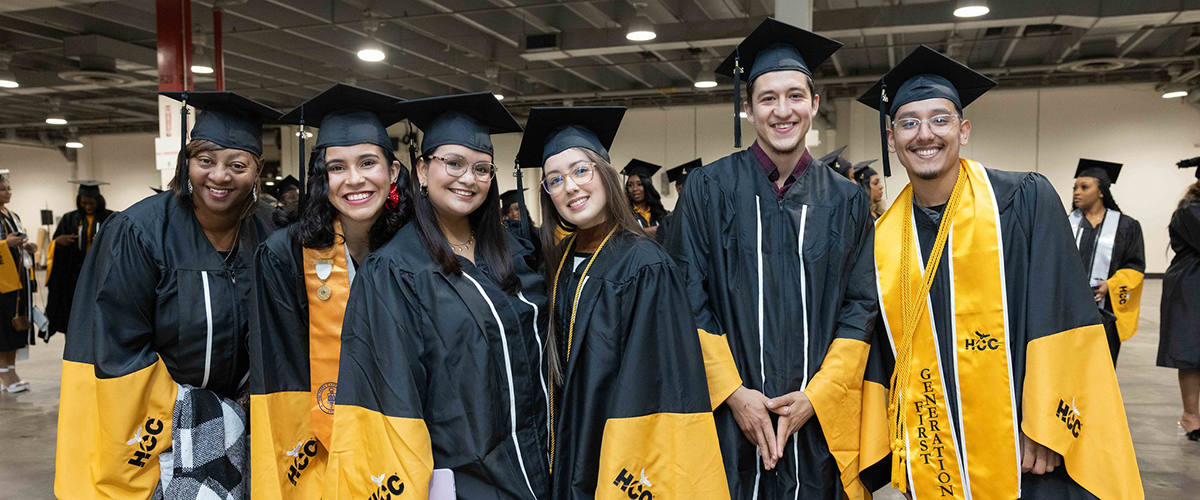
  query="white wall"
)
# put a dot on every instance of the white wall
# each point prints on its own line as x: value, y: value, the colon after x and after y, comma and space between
x: 39, y: 176
x: 1049, y: 130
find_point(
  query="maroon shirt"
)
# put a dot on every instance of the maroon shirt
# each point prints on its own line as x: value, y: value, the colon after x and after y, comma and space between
x: 772, y: 172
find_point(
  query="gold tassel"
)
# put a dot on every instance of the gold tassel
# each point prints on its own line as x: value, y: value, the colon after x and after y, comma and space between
x: 899, y: 471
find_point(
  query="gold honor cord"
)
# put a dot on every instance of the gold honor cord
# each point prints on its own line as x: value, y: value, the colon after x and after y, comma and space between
x: 912, y: 313
x: 571, y: 325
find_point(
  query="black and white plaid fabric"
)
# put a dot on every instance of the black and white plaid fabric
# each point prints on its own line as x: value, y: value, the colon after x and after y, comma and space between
x: 210, y: 453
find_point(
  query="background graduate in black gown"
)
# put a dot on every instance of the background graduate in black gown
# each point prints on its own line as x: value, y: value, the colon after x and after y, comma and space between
x: 678, y: 177
x: 163, y: 302
x: 357, y: 199
x: 441, y: 363
x: 1179, y: 343
x: 643, y: 197
x: 632, y: 411
x: 1111, y: 245
x: 72, y: 239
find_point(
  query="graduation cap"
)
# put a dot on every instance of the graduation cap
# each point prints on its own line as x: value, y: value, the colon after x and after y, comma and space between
x: 639, y: 167
x: 924, y: 74
x: 1190, y: 163
x: 679, y: 174
x: 286, y: 184
x: 467, y: 120
x: 227, y: 119
x: 89, y: 188
x: 347, y: 115
x: 511, y: 196
x: 863, y: 164
x: 156, y: 190
x: 1104, y: 171
x: 831, y: 158
x: 550, y: 131
x: 773, y: 46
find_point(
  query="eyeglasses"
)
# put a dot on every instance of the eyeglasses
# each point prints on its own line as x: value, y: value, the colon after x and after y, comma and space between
x: 580, y: 173
x: 456, y: 166
x: 939, y: 125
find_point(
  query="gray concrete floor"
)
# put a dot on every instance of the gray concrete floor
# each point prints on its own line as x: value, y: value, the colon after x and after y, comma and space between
x: 1170, y: 465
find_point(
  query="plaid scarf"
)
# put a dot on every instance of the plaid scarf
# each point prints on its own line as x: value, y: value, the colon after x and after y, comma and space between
x: 209, y: 456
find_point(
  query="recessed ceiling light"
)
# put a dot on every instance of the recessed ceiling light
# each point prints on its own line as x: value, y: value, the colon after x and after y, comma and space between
x: 74, y: 144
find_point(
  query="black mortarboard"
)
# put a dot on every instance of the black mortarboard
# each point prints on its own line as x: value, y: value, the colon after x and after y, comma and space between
x: 89, y: 188
x: 863, y: 164
x: 1190, y: 163
x: 773, y: 46
x: 1103, y: 171
x: 228, y: 119
x: 831, y: 157
x: 924, y: 74
x: 347, y: 115
x: 639, y: 167
x: 679, y: 174
x: 468, y: 120
x: 287, y: 183
x: 511, y: 196
x: 551, y: 131
x: 156, y: 190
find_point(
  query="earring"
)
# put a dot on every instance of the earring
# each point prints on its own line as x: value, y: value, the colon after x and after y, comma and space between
x: 255, y: 193
x: 189, y: 186
x: 424, y: 192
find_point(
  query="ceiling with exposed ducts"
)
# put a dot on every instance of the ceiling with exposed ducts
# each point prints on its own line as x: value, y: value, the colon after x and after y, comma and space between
x: 95, y: 61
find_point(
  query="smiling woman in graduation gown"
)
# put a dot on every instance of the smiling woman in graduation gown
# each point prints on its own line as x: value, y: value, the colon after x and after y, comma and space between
x: 159, y: 306
x: 304, y: 273
x: 72, y: 240
x: 632, y: 412
x: 1113, y: 251
x: 441, y: 354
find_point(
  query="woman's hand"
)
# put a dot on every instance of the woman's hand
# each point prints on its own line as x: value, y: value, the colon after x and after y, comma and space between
x: 15, y: 240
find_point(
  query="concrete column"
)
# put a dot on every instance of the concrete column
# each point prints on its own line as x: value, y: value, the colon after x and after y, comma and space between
x: 795, y: 12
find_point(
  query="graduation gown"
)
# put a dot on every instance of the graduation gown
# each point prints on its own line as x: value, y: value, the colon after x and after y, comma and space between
x: 646, y: 218
x: 16, y: 291
x: 65, y: 262
x: 440, y: 371
x: 1124, y: 251
x: 156, y: 306
x: 1051, y: 333
x: 786, y: 284
x: 633, y: 414
x: 1179, y: 343
x: 295, y: 350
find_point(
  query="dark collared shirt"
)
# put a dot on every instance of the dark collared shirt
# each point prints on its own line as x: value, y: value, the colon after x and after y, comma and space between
x: 772, y: 171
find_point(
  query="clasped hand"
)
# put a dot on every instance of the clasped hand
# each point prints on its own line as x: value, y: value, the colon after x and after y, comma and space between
x: 753, y: 410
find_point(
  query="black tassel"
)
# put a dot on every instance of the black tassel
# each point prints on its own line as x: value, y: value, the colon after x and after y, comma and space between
x: 300, y: 159
x: 737, y: 100
x: 412, y: 151
x: 181, y: 160
x: 524, y: 214
x: 883, y: 109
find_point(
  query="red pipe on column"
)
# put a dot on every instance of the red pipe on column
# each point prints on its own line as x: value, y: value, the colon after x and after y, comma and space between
x: 187, y: 43
x: 218, y: 51
x: 171, y: 68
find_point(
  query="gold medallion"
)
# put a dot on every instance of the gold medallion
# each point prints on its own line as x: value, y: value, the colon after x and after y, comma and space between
x: 323, y: 293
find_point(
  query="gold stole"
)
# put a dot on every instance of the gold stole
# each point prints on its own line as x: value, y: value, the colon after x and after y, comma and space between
x: 987, y: 463
x: 325, y: 327
x: 1125, y: 295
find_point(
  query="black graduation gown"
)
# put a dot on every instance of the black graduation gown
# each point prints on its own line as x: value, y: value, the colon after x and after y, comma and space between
x: 635, y: 401
x: 10, y: 338
x: 1129, y: 252
x: 67, y: 262
x: 156, y: 306
x: 1047, y: 295
x: 440, y: 371
x: 785, y: 310
x: 1179, y: 342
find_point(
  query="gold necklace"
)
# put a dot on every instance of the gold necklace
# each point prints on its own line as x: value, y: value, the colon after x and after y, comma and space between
x: 464, y: 246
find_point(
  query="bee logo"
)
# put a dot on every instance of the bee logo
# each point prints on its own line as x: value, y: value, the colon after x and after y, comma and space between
x: 146, y: 443
x: 636, y: 488
x: 301, y: 455
x: 982, y: 342
x: 1071, y: 416
x: 387, y: 487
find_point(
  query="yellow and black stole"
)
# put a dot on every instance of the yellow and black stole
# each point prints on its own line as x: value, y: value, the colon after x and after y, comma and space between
x: 926, y: 458
x: 1125, y: 285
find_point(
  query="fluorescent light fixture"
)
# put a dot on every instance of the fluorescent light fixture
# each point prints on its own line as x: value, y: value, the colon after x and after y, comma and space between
x: 971, y: 8
x: 705, y: 80
x: 270, y: 183
x: 56, y: 119
x: 74, y: 144
x: 8, y: 79
x: 201, y: 69
x: 1174, y: 94
x: 640, y: 30
x: 279, y: 177
x: 499, y: 96
x: 371, y: 54
x: 742, y: 114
